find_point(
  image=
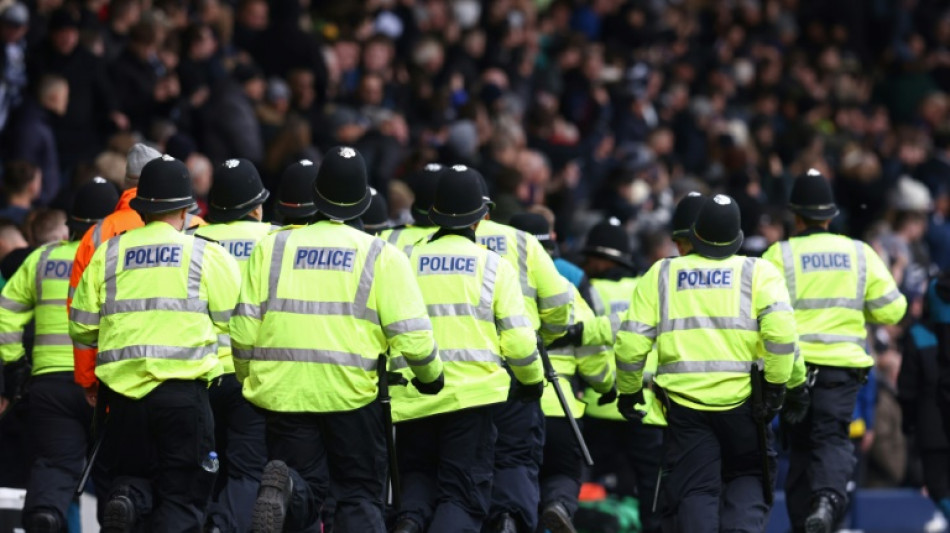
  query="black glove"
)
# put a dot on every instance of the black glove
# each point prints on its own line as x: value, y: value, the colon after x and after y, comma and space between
x: 14, y: 378
x: 797, y: 402
x: 526, y: 393
x: 626, y: 404
x: 433, y: 387
x: 772, y: 398
x: 573, y: 337
x: 608, y: 397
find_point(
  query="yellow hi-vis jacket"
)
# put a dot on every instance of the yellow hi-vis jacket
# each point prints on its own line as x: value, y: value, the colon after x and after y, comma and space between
x: 408, y: 237
x: 836, y: 286
x: 239, y: 238
x: 38, y: 290
x: 155, y: 301
x: 318, y: 305
x: 595, y: 363
x: 477, y: 312
x: 711, y: 320
x: 549, y: 299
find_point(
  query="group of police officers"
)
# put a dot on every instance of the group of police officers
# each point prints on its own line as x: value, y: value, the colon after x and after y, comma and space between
x: 236, y: 376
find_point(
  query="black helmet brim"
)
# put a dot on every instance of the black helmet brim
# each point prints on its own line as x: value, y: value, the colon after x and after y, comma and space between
x: 457, y: 221
x: 610, y: 254
x: 221, y: 215
x: 715, y: 250
x: 820, y: 212
x: 155, y: 207
x: 337, y: 211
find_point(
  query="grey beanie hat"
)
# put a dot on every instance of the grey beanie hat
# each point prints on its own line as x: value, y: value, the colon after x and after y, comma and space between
x: 139, y: 155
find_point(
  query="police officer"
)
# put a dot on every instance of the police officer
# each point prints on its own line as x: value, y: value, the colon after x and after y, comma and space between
x: 155, y: 301
x: 535, y: 222
x: 318, y: 305
x: 474, y: 300
x: 295, y: 199
x: 711, y: 314
x: 376, y: 218
x: 562, y: 464
x: 235, y: 209
x: 836, y: 285
x: 59, y: 417
x: 423, y: 183
x: 549, y: 302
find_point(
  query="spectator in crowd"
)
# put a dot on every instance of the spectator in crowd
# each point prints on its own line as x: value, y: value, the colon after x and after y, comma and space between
x: 31, y: 136
x: 22, y: 184
x: 887, y: 458
x: 14, y: 24
x: 46, y: 226
x: 230, y: 123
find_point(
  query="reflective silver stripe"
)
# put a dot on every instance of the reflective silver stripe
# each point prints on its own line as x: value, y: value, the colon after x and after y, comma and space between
x: 809, y: 304
x: 308, y: 307
x: 525, y: 361
x: 407, y: 249
x: 745, y: 288
x: 140, y: 351
x: 44, y: 256
x: 361, y: 299
x: 304, y: 355
x: 862, y: 274
x: 242, y: 353
x: 422, y: 362
x: 273, y: 275
x: 11, y: 337
x: 486, y: 295
x: 221, y: 316
x: 224, y: 341
x: 112, y: 267
x: 567, y: 351
x: 788, y: 262
x: 554, y: 328
x: 512, y: 322
x: 394, y: 236
x: 137, y: 305
x: 780, y: 348
x: 689, y: 367
x: 52, y: 301
x: 522, y: 250
x: 587, y: 351
x: 663, y: 289
x: 83, y: 317
x: 97, y: 235
x: 249, y: 310
x: 712, y: 322
x: 631, y: 367
x: 188, y: 218
x: 883, y: 301
x: 776, y: 308
x: 53, y: 339
x: 597, y: 302
x: 407, y: 326
x: 599, y: 378
x: 440, y: 310
x: 469, y: 356
x: 72, y: 292
x: 13, y: 305
x: 557, y: 300
x: 798, y: 352
x: 828, y: 338
x: 615, y: 325
x: 633, y: 326
x: 195, y: 267
x: 81, y: 346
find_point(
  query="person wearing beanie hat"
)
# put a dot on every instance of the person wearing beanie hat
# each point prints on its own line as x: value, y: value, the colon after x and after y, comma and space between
x: 235, y: 212
x: 319, y: 305
x: 376, y: 218
x: 716, y: 320
x: 562, y: 466
x: 58, y: 416
x: 156, y: 303
x: 139, y: 156
x: 295, y: 199
x: 423, y: 183
x: 837, y: 285
x: 549, y: 303
x: 454, y: 432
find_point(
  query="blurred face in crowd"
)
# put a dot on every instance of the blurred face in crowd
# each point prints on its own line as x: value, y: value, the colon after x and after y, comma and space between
x: 254, y: 15
x: 204, y: 46
x: 65, y: 40
x: 55, y: 98
x: 200, y: 169
x: 255, y: 88
x: 347, y: 55
x: 377, y: 56
x: 371, y: 90
x: 302, y: 92
x: 10, y: 33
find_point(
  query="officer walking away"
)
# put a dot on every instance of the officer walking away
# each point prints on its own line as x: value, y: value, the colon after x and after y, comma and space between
x: 58, y: 416
x: 155, y: 301
x: 477, y: 310
x: 712, y: 314
x: 836, y: 286
x: 376, y: 218
x: 318, y: 305
x: 569, y: 270
x: 423, y: 183
x: 235, y: 209
x: 295, y: 205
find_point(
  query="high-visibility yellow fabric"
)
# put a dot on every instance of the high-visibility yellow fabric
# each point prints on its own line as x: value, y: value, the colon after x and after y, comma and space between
x: 408, y: 237
x: 478, y: 318
x: 155, y: 301
x: 548, y: 296
x: 318, y: 305
x: 239, y: 238
x: 38, y: 291
x: 836, y: 286
x: 611, y: 296
x: 711, y: 320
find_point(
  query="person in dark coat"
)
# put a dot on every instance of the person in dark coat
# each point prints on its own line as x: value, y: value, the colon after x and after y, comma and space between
x: 231, y: 128
x: 144, y: 88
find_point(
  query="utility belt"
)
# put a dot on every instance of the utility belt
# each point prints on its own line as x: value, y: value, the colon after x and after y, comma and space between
x: 831, y: 375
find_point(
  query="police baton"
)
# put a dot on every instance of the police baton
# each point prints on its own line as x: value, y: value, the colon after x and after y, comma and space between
x: 552, y: 378
x: 386, y: 401
x: 89, y: 464
x: 762, y: 427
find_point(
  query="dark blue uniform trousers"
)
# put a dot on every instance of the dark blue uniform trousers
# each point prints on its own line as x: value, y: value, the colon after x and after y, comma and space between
x: 562, y: 466
x: 346, y: 449
x: 239, y: 434
x: 715, y: 483
x: 446, y: 464
x: 518, y: 453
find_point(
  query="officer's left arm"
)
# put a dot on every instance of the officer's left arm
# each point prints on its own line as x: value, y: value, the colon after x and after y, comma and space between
x: 883, y: 302
x: 222, y: 280
x: 246, y: 318
x: 776, y: 326
x: 403, y: 316
x: 84, y: 313
x: 516, y: 336
x: 17, y: 301
x: 593, y: 362
x: 637, y: 333
x: 555, y: 292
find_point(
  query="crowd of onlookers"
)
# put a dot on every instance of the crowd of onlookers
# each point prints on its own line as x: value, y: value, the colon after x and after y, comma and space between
x: 592, y: 107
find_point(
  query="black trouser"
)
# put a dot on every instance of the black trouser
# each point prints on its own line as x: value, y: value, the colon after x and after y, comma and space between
x: 936, y: 465
x: 239, y: 434
x: 153, y: 449
x: 60, y: 420
x: 562, y: 466
x: 446, y: 464
x: 623, y: 448
x: 518, y: 453
x: 715, y: 482
x: 351, y: 446
x: 822, y: 456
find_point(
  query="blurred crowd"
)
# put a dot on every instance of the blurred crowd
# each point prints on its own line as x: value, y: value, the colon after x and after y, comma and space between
x: 594, y: 108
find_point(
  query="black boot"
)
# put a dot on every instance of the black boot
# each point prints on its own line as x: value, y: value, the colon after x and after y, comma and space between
x: 556, y: 519
x: 119, y: 515
x: 505, y: 523
x: 273, y: 499
x: 407, y: 526
x: 822, y: 517
x: 43, y: 521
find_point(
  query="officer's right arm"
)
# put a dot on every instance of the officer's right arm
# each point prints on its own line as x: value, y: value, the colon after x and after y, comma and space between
x: 84, y: 316
x: 637, y: 333
x: 516, y: 335
x: 403, y: 316
x: 16, y: 308
x: 601, y: 330
x: 84, y: 356
x: 221, y: 276
x: 593, y: 362
x: 776, y: 326
x: 555, y: 292
x: 246, y: 319
x: 883, y: 302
